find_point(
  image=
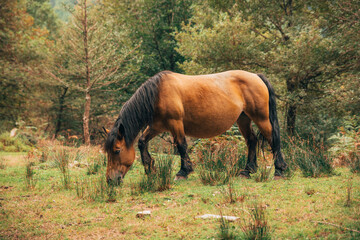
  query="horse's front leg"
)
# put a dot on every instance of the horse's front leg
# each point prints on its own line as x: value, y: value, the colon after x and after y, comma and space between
x: 146, y: 158
x: 186, y: 164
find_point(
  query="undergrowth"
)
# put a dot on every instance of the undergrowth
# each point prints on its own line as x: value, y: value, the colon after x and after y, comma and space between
x: 310, y: 157
x: 19, y: 143
x: 61, y: 159
x: 160, y: 180
x: 254, y: 227
x: 219, y: 160
x: 95, y: 188
x: 30, y: 181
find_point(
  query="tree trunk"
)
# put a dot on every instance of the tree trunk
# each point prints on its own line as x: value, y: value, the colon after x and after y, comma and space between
x: 86, y: 118
x: 291, y: 119
x: 291, y: 85
x: 59, y: 119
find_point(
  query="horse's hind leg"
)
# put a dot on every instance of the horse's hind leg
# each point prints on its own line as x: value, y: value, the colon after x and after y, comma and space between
x: 244, y: 123
x: 266, y: 130
x: 146, y: 159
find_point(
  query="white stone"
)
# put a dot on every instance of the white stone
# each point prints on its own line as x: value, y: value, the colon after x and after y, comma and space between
x: 143, y: 214
x: 229, y: 218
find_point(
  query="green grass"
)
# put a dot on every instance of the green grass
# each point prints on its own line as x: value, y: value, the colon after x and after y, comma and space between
x: 2, y: 153
x: 49, y: 211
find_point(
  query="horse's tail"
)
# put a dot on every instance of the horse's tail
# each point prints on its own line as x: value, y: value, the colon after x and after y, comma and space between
x: 275, y: 137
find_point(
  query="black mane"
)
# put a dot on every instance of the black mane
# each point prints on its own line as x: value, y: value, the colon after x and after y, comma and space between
x: 137, y: 112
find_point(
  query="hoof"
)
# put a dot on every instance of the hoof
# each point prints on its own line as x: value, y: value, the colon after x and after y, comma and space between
x: 177, y: 178
x: 278, y: 178
x: 244, y: 174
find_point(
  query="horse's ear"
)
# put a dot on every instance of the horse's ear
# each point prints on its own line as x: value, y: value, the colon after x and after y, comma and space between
x: 121, y: 132
x: 104, y: 133
x: 105, y: 130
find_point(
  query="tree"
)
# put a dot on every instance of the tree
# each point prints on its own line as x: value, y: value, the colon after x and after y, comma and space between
x: 90, y: 56
x: 154, y: 22
x: 21, y: 43
x: 285, y: 39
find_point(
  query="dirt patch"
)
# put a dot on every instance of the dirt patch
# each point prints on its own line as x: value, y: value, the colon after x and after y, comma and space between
x: 14, y: 160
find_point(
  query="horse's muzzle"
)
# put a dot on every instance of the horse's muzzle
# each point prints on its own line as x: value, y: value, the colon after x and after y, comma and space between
x: 115, y: 182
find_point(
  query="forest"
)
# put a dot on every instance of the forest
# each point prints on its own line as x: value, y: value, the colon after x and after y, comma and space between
x: 68, y: 66
x: 308, y: 49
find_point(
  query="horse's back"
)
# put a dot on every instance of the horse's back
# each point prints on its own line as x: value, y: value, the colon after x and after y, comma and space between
x: 209, y: 104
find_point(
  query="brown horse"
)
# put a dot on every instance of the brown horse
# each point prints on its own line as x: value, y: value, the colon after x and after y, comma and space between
x: 201, y: 106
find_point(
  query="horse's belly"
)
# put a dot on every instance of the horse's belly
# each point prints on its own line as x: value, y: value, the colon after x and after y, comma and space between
x: 211, y: 122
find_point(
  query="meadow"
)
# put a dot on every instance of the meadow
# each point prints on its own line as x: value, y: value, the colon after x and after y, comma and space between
x: 61, y: 193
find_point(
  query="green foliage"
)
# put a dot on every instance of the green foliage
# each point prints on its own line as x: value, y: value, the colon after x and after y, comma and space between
x: 19, y: 143
x: 154, y: 21
x: 290, y: 43
x: 21, y: 44
x: 345, y: 144
x: 43, y: 14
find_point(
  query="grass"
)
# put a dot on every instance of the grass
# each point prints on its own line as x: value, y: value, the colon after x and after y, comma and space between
x: 159, y: 181
x: 218, y: 161
x: 61, y: 158
x: 49, y: 211
x: 257, y: 226
x: 309, y: 156
x: 95, y: 188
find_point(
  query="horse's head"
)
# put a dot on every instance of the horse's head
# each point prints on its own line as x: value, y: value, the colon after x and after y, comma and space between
x: 120, y: 156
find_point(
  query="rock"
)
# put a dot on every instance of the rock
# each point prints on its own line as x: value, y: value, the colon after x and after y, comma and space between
x: 143, y: 214
x: 13, y: 132
x: 229, y: 218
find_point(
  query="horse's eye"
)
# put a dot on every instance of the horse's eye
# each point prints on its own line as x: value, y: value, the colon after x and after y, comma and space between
x: 117, y: 151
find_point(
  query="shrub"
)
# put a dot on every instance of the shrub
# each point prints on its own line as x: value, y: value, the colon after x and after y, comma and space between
x: 161, y: 180
x: 257, y: 227
x: 30, y: 182
x: 349, y: 188
x: 354, y: 162
x: 226, y: 232
x: 219, y: 159
x: 2, y: 163
x: 61, y: 159
x: 95, y: 165
x: 18, y: 143
x: 310, y: 157
x: 231, y: 195
x: 263, y: 174
x: 95, y: 188
x: 345, y: 145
